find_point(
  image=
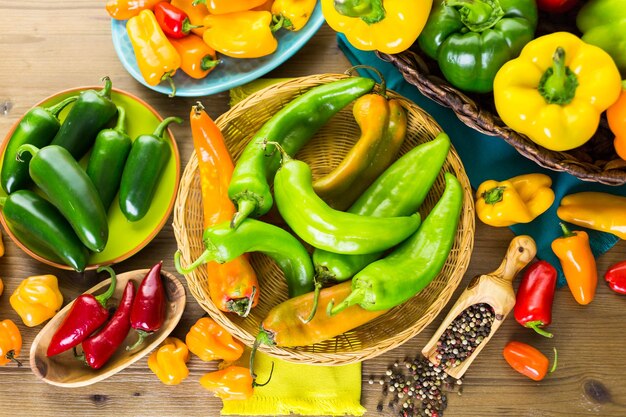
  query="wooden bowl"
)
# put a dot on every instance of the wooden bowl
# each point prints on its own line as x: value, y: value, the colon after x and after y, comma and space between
x: 64, y: 370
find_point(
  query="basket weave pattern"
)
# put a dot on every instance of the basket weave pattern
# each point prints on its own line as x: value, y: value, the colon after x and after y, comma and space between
x: 322, y: 153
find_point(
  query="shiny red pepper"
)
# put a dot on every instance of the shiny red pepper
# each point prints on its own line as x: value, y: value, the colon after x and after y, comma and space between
x: 533, y: 304
x: 148, y: 311
x: 527, y: 360
x: 86, y: 316
x: 616, y: 277
x: 173, y: 21
x: 99, y: 348
x: 556, y: 6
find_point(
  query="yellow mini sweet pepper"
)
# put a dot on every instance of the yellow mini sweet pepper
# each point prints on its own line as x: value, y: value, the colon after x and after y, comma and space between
x: 517, y: 200
x: 595, y: 210
x: 169, y: 361
x: 229, y: 6
x: 37, y: 299
x: 390, y: 26
x: 210, y: 341
x: 241, y: 35
x: 556, y: 90
x: 10, y: 342
x: 295, y: 13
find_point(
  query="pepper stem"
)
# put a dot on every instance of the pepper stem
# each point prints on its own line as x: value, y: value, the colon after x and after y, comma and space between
x: 11, y: 356
x: 383, y: 83
x: 164, y: 123
x: 242, y: 306
x: 187, y: 26
x: 142, y: 334
x: 566, y: 232
x: 3, y: 201
x: 121, y: 119
x: 355, y: 297
x: 558, y: 84
x: 205, y: 257
x: 283, y: 153
x: 56, y: 109
x: 477, y: 15
x: 262, y: 338
x: 494, y: 195
x: 80, y: 357
x: 104, y: 297
x: 316, y: 299
x: 536, y: 326
x: 278, y: 22
x: 245, y: 207
x: 28, y: 148
x: 168, y: 77
x: 370, y: 11
x: 197, y: 108
x: 556, y: 360
x: 269, y: 378
x: 207, y: 62
x: 196, y: 2
x: 108, y: 85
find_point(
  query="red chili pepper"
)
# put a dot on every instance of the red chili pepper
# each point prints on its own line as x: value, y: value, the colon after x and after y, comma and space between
x: 87, y: 314
x: 99, y: 348
x: 173, y: 21
x: 556, y: 6
x: 533, y: 304
x: 616, y: 277
x: 148, y: 312
x: 527, y: 360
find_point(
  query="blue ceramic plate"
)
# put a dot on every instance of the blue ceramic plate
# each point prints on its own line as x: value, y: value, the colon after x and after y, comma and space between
x: 231, y: 72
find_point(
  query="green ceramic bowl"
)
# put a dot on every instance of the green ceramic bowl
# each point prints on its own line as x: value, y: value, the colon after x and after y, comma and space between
x: 125, y: 238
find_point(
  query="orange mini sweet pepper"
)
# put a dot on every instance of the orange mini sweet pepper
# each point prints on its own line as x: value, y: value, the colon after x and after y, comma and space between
x: 210, y: 341
x: 197, y: 59
x: 230, y: 383
x: 578, y: 263
x: 169, y: 361
x: 10, y: 342
x: 527, y: 360
x: 37, y: 299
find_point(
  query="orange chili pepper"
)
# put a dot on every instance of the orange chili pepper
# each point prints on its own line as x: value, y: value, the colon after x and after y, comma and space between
x: 229, y: 6
x: 527, y: 360
x: 233, y: 286
x: 232, y: 382
x: 578, y: 263
x: 210, y: 341
x: 10, y: 342
x: 1, y: 286
x: 616, y: 116
x: 125, y: 9
x: 197, y: 59
x: 195, y: 12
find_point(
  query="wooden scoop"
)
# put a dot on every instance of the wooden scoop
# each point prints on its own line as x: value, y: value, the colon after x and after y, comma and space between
x: 495, y: 289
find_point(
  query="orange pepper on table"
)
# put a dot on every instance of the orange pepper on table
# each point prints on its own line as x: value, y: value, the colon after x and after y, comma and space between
x: 210, y: 341
x: 1, y: 286
x: 197, y: 59
x: 229, y: 6
x: 10, y: 342
x: 169, y: 361
x: 230, y: 383
x: 616, y: 116
x: 125, y: 9
x: 578, y: 263
x: 527, y: 360
x: 195, y: 12
x: 246, y: 34
x: 37, y: 299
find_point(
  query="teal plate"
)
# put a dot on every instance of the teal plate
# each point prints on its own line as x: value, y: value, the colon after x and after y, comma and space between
x: 231, y: 72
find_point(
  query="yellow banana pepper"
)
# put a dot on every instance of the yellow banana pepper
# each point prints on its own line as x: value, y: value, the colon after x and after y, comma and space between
x: 169, y: 361
x: 556, y: 90
x: 390, y: 26
x: 295, y: 13
x: 595, y: 210
x: 245, y: 34
x: 517, y: 200
x: 37, y: 299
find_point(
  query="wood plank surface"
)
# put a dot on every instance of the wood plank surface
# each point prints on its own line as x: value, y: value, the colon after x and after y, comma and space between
x: 48, y: 46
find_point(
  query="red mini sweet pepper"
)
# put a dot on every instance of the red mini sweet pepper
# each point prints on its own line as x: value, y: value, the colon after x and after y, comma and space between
x: 533, y: 303
x: 87, y: 314
x: 173, y: 21
x: 148, y: 311
x: 615, y: 277
x: 99, y: 348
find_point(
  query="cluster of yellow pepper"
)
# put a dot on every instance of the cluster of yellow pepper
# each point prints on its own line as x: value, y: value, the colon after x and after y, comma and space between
x: 523, y: 198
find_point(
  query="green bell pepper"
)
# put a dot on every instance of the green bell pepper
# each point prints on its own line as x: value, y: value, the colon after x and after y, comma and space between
x: 472, y: 39
x: 603, y: 24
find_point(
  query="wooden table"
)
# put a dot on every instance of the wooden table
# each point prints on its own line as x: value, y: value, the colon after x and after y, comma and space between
x: 48, y: 46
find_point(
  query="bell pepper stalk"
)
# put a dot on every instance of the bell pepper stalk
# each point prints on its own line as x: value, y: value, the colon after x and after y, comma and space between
x: 527, y: 360
x: 556, y: 6
x: 37, y: 299
x: 615, y: 277
x: 616, y: 116
x: 555, y: 106
x: 10, y: 342
x: 174, y: 22
x: 595, y: 210
x: 210, y: 341
x: 169, y: 361
x: 148, y: 310
x: 533, y: 303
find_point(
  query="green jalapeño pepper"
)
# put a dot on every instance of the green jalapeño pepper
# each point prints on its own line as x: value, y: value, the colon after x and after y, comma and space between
x: 407, y: 270
x: 292, y: 126
x: 142, y: 171
x: 37, y: 127
x: 69, y: 189
x: 472, y: 39
x: 91, y: 112
x: 107, y: 159
x: 223, y: 244
x: 399, y: 191
x: 326, y: 228
x: 38, y: 224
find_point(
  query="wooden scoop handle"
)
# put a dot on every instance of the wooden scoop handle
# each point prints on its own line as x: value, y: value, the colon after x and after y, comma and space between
x: 522, y: 250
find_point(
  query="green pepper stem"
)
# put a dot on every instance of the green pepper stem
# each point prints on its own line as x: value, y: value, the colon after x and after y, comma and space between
x: 108, y: 85
x: 80, y: 357
x: 245, y: 207
x: 316, y: 299
x: 566, y: 232
x: 383, y: 83
x: 104, y: 297
x: 262, y: 338
x: 269, y: 378
x: 207, y: 62
x: 196, y: 2
x: 623, y: 84
x: 28, y: 148
x: 142, y: 334
x: 121, y: 119
x: 242, y: 306
x: 355, y: 297
x: 283, y: 153
x: 56, y: 109
x: 168, y: 77
x: 558, y: 84
x: 477, y: 15
x: 205, y: 257
x: 187, y: 26
x: 370, y: 11
x: 278, y: 22
x: 536, y: 326
x: 158, y: 132
x: 494, y: 195
x: 11, y: 356
x: 556, y: 360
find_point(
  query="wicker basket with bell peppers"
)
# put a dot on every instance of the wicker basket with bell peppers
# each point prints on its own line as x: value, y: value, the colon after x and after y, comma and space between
x: 189, y: 34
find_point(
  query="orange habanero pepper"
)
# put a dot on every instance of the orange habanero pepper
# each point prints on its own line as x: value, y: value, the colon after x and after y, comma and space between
x: 210, y: 341
x: 616, y: 116
x: 230, y: 383
x: 10, y: 342
x: 578, y: 263
x: 125, y: 9
x: 195, y: 12
x: 527, y: 360
x: 197, y: 59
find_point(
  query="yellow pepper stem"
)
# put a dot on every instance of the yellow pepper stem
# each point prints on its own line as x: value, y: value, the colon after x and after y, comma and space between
x: 478, y: 15
x: 493, y: 196
x: 370, y: 11
x: 558, y: 84
x: 11, y: 356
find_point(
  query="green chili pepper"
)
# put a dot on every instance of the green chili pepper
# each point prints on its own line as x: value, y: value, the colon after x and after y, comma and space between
x: 39, y: 225
x: 292, y: 126
x: 67, y: 186
x: 325, y: 228
x: 399, y: 191
x: 224, y: 244
x: 107, y: 159
x: 37, y: 127
x: 407, y: 270
x: 142, y: 171
x: 91, y: 112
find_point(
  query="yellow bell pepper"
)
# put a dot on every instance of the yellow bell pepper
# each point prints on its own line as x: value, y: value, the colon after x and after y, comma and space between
x: 245, y: 34
x: 595, y: 210
x: 169, y: 361
x: 517, y: 200
x: 210, y: 341
x: 295, y: 13
x: 390, y: 26
x: 37, y: 299
x: 556, y: 90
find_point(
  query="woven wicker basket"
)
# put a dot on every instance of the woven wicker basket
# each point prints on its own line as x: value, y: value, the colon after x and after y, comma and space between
x: 324, y: 151
x: 595, y: 161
